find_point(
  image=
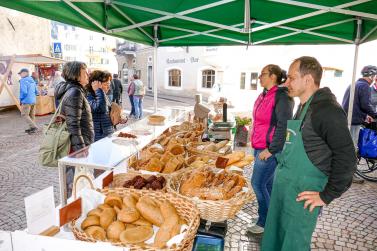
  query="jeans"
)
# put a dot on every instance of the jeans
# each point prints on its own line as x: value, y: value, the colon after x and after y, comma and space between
x: 262, y: 179
x: 132, y: 105
x: 355, y: 130
x: 138, y: 104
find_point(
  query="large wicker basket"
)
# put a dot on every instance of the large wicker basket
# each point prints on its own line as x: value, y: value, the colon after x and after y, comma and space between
x: 185, y: 208
x: 211, y: 210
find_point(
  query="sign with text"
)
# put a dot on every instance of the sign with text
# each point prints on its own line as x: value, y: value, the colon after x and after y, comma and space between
x: 40, y: 210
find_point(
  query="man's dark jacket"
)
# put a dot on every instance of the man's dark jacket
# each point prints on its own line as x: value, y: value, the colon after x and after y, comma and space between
x: 328, y: 143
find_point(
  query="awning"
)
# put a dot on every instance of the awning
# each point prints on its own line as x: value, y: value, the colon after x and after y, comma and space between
x: 210, y: 23
x: 33, y: 59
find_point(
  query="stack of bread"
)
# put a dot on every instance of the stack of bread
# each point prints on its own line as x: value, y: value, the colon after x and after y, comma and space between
x: 130, y: 220
x: 221, y: 147
x: 157, y: 159
x: 237, y: 158
x: 206, y: 184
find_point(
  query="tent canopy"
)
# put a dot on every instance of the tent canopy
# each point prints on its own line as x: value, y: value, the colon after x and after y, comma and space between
x: 33, y: 59
x: 210, y: 22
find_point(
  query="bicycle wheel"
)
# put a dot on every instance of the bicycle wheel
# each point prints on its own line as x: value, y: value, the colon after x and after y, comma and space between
x: 367, y: 169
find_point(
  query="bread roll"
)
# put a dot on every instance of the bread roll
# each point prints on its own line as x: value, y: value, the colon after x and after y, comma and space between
x: 90, y: 221
x: 221, y: 144
x: 155, y: 165
x: 95, y: 212
x: 150, y: 212
x: 113, y: 199
x: 114, y: 230
x: 136, y: 235
x: 130, y: 201
x: 170, y: 225
x: 108, y: 215
x: 96, y: 232
x: 127, y: 214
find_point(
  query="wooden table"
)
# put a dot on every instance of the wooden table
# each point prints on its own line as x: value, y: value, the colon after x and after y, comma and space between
x: 45, y: 105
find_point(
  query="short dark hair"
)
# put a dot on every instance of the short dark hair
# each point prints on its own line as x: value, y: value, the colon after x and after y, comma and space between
x: 98, y: 75
x: 72, y: 70
x: 310, y: 65
x: 281, y: 75
x: 115, y: 75
x: 135, y: 76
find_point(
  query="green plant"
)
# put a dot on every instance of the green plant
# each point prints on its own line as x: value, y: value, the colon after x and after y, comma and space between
x: 243, y: 121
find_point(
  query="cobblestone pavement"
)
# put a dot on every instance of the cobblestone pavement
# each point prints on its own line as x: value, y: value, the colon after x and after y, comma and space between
x: 349, y: 223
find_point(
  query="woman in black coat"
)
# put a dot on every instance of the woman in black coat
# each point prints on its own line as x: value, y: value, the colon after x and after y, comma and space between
x: 99, y: 85
x: 75, y: 106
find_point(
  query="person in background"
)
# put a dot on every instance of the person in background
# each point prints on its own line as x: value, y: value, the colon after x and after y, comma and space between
x: 362, y: 106
x: 35, y: 77
x: 272, y: 110
x: 99, y: 85
x: 110, y: 93
x: 131, y: 91
x: 57, y: 79
x: 138, y: 96
x: 373, y: 93
x: 71, y: 94
x: 316, y: 164
x: 28, y: 93
x: 118, y: 89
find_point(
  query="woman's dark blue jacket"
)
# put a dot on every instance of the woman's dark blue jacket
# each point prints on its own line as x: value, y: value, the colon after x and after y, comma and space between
x: 101, y: 114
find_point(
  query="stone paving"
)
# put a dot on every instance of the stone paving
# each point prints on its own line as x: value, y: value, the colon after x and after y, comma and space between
x: 349, y: 223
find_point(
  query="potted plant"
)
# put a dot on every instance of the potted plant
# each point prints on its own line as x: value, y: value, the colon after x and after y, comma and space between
x: 242, y: 132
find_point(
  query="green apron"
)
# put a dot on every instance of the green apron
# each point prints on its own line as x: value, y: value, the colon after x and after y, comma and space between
x: 289, y: 226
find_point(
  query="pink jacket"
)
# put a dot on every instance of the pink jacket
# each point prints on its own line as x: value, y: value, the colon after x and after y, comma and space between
x: 262, y: 132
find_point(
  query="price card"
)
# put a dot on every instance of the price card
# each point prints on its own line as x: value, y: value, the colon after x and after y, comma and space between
x: 108, y: 179
x: 40, y: 210
x: 70, y: 212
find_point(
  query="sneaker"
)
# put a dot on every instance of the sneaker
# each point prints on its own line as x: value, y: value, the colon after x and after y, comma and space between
x: 32, y: 130
x: 255, y: 229
x: 357, y: 180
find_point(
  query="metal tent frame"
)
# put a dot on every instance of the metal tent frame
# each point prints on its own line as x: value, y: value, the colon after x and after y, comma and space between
x: 247, y: 28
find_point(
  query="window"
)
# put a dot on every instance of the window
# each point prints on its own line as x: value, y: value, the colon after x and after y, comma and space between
x: 90, y: 49
x: 243, y: 80
x: 338, y: 73
x: 102, y: 61
x: 253, y: 80
x: 103, y: 38
x: 91, y: 61
x: 208, y: 78
x: 175, y: 78
x: 91, y: 37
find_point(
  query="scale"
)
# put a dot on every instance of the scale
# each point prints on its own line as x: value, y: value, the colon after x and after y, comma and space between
x: 221, y: 130
x: 210, y: 236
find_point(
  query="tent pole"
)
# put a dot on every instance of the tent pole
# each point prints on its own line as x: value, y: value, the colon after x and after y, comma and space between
x: 155, y: 68
x: 353, y: 84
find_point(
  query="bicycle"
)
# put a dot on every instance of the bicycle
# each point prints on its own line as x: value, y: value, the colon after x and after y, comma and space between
x: 366, y: 165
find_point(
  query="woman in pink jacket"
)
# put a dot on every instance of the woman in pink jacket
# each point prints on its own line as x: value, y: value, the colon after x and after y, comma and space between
x: 272, y: 109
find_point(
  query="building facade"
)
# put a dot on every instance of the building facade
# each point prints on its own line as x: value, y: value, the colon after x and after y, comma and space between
x: 95, y: 49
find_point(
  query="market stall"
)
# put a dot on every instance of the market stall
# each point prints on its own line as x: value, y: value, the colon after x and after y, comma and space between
x: 43, y: 67
x: 155, y: 160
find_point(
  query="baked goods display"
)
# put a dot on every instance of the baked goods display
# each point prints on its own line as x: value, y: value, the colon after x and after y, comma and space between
x: 130, y: 220
x: 209, y: 148
x: 126, y: 135
x: 152, y: 182
x: 237, y: 158
x: 206, y: 184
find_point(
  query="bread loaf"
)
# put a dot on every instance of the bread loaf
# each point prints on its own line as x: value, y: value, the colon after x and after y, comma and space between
x: 136, y: 234
x: 149, y: 211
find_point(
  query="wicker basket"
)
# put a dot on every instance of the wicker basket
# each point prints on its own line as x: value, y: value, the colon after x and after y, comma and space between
x: 120, y: 178
x: 212, y: 210
x: 193, y: 150
x: 185, y: 208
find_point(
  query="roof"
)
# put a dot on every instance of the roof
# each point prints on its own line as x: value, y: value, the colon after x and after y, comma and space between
x: 213, y: 23
x: 33, y: 59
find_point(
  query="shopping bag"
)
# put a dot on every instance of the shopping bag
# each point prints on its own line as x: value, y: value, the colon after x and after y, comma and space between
x: 56, y: 140
x: 368, y: 143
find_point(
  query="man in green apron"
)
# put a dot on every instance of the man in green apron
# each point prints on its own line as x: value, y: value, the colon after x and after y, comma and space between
x: 316, y: 164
